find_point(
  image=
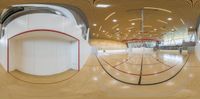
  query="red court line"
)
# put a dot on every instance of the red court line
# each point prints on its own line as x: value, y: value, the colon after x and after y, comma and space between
x: 136, y: 64
x: 143, y: 39
x: 139, y: 74
x: 161, y: 62
x: 143, y: 64
x: 170, y: 67
x: 34, y: 30
x: 49, y: 31
x: 122, y: 61
x: 143, y: 84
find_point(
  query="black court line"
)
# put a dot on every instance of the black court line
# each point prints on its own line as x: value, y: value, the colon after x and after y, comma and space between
x: 141, y: 70
x: 122, y: 62
x: 146, y: 84
x: 138, y: 65
x: 160, y: 61
x: 112, y: 75
x: 129, y: 62
x: 143, y: 84
x: 46, y: 83
x: 119, y: 69
x: 138, y: 73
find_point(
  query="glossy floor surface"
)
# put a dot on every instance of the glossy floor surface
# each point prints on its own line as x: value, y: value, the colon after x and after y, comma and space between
x: 105, y: 76
x: 43, y: 79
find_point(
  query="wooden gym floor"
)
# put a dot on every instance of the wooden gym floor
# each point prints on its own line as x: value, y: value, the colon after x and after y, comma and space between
x: 163, y: 75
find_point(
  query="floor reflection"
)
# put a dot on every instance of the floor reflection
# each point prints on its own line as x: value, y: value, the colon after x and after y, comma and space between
x: 148, y: 68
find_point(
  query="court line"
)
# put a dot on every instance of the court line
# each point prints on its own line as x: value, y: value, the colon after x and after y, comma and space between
x: 129, y: 62
x: 170, y: 77
x: 138, y: 74
x: 139, y: 64
x: 119, y: 63
x: 36, y: 30
x: 44, y: 83
x: 141, y: 69
x: 112, y: 75
x: 147, y: 84
x: 160, y: 61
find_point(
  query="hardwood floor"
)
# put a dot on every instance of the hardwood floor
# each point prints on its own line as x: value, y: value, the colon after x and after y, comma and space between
x: 92, y: 82
x: 44, y: 79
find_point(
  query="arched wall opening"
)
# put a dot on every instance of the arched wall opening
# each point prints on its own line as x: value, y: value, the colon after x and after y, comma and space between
x: 43, y: 52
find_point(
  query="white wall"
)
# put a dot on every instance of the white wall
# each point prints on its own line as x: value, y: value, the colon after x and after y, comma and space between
x: 197, y: 47
x: 197, y: 51
x: 74, y: 53
x: 107, y: 44
x: 44, y: 21
x: 142, y: 50
x: 43, y: 55
x: 112, y: 51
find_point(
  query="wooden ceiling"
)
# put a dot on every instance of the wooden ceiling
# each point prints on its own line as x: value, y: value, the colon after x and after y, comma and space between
x: 124, y: 10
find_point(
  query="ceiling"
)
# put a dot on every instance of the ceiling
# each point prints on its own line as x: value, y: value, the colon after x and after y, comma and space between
x: 184, y: 14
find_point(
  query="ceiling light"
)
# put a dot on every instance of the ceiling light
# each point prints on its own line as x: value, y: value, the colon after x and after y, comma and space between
x: 102, y: 5
x: 94, y: 24
x: 136, y: 19
x: 129, y: 30
x: 169, y: 19
x: 153, y: 8
x: 173, y: 30
x: 132, y: 23
x: 161, y: 21
x: 104, y: 31
x: 155, y: 29
x: 111, y: 14
x: 117, y: 29
x: 100, y: 28
x: 115, y: 26
x: 190, y: 27
x: 182, y: 21
x: 114, y: 20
